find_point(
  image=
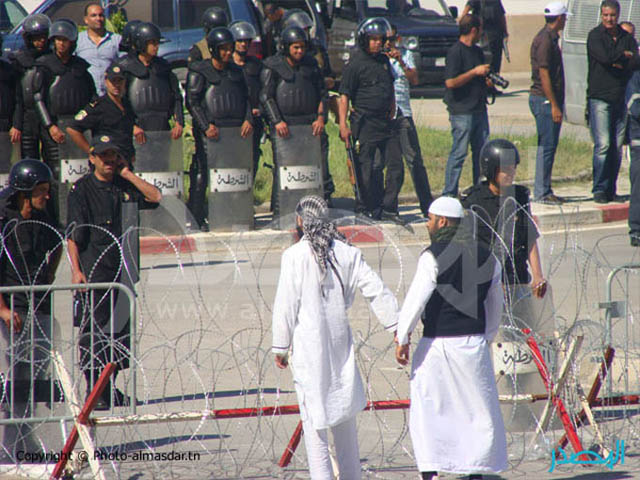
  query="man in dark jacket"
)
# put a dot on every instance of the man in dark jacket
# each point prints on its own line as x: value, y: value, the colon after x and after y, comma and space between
x: 613, y: 55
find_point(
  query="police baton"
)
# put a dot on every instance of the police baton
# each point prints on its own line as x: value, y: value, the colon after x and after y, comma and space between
x: 353, y: 167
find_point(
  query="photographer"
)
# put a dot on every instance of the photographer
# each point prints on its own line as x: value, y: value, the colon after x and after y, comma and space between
x: 466, y: 98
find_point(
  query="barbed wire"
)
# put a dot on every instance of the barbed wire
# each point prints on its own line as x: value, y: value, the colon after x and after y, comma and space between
x: 204, y: 344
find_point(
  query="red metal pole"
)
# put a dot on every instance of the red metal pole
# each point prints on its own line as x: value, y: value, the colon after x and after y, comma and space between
x: 580, y: 418
x: 557, y: 401
x: 82, y: 419
x: 291, y: 448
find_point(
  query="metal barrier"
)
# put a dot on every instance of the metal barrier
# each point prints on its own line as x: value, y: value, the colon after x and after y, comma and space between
x: 40, y: 349
x: 617, y: 309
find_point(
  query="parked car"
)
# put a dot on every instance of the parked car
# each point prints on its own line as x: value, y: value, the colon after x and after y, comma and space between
x: 179, y: 21
x: 11, y: 15
x: 428, y: 29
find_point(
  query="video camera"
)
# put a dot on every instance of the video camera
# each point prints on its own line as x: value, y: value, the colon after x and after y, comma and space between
x: 498, y: 81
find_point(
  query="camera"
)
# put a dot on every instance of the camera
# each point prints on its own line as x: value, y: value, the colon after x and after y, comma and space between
x: 497, y: 80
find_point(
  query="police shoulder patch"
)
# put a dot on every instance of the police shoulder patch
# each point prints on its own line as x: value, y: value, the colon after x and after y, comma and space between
x: 81, y: 115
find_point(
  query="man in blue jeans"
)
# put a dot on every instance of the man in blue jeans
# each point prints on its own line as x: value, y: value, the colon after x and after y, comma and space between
x: 546, y: 98
x: 466, y: 99
x: 613, y: 56
x: 404, y: 75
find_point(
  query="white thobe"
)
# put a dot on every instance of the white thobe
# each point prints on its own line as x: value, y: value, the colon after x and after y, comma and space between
x: 310, y: 316
x: 455, y: 420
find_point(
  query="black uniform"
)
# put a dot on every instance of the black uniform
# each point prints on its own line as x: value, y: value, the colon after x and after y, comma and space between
x: 104, y: 117
x: 252, y: 69
x: 60, y: 91
x: 218, y: 97
x: 24, y: 62
x: 27, y: 259
x: 291, y: 94
x: 368, y: 82
x: 153, y: 93
x: 104, y: 209
x: 511, y: 220
x: 10, y: 108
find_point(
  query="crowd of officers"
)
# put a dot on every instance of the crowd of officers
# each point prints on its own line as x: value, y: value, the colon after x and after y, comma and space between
x: 49, y: 97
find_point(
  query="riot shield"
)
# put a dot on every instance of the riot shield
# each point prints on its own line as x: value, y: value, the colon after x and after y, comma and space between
x: 298, y: 159
x: 230, y: 162
x: 159, y: 161
x: 9, y: 154
x: 74, y: 164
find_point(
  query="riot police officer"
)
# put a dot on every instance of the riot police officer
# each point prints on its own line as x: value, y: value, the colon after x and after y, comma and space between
x: 62, y: 85
x: 367, y: 82
x: 31, y: 250
x: 293, y: 91
x: 300, y: 18
x: 152, y: 88
x: 213, y: 17
x: 243, y: 34
x: 36, y: 40
x: 217, y: 97
x: 10, y: 116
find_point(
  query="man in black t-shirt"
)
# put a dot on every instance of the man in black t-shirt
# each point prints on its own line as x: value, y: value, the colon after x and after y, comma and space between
x: 494, y: 26
x: 102, y: 208
x: 367, y: 83
x: 466, y: 99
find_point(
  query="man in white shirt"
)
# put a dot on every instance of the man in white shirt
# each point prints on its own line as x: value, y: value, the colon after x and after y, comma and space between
x: 319, y: 277
x: 455, y: 420
x: 97, y: 45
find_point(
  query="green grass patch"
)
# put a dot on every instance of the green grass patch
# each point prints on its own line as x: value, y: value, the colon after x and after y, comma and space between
x: 573, y: 156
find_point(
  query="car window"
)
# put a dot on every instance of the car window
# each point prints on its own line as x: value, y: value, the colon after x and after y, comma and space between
x: 390, y: 8
x: 191, y: 11
x: 11, y: 14
x: 73, y: 9
x: 162, y: 14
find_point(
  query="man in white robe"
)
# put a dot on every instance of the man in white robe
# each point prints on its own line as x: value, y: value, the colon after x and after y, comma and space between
x: 319, y: 277
x: 454, y: 420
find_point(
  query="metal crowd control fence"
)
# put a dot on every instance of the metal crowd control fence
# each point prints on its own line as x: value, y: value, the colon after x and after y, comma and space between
x: 618, y: 309
x: 44, y: 349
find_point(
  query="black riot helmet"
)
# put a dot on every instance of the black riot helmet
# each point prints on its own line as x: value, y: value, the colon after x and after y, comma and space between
x: 214, y: 17
x: 297, y: 17
x: 496, y: 154
x: 64, y: 28
x: 242, y: 30
x: 27, y: 173
x: 292, y: 35
x: 145, y: 32
x: 126, y: 43
x: 218, y: 37
x: 34, y: 25
x: 370, y: 27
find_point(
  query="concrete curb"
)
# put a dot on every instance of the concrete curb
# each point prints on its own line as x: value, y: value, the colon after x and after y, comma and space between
x: 547, y: 217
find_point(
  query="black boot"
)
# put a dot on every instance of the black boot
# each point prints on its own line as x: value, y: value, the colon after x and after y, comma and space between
x: 428, y: 475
